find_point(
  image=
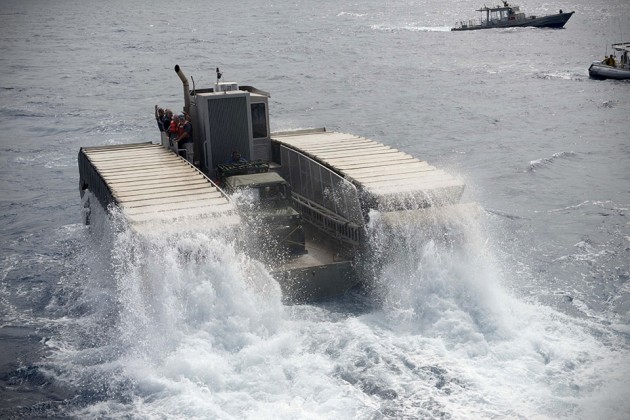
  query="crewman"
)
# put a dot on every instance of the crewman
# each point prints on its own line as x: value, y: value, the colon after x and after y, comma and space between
x: 610, y: 61
x: 159, y: 117
x: 185, y: 138
x: 236, y: 157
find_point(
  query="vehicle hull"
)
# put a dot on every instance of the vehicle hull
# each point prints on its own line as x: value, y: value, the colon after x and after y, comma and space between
x: 601, y: 71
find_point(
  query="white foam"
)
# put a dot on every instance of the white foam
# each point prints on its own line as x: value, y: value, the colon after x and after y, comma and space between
x: 538, y: 163
x: 513, y: 357
x: 206, y: 336
x: 409, y: 28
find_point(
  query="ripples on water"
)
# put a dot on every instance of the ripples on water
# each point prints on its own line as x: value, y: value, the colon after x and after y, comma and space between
x: 523, y: 313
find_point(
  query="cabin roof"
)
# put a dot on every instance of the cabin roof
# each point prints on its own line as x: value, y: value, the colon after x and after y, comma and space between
x: 494, y: 9
x: 622, y: 46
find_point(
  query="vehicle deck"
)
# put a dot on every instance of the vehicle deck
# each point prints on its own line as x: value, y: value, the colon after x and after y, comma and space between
x: 319, y: 252
x: 319, y: 273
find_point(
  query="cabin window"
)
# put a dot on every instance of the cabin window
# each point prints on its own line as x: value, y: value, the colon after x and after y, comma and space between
x: 259, y: 120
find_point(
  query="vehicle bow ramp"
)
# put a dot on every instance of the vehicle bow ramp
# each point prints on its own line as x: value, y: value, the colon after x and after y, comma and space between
x: 156, y: 190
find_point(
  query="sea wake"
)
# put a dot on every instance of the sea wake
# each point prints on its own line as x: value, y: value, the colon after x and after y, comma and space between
x: 155, y: 332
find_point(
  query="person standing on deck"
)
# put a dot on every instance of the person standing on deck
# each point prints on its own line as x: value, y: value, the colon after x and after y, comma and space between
x: 185, y: 139
x: 172, y: 131
x: 163, y: 118
x: 166, y: 121
x: 159, y: 118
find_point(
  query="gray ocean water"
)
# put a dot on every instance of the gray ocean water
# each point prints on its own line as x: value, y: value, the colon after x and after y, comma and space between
x: 529, y: 319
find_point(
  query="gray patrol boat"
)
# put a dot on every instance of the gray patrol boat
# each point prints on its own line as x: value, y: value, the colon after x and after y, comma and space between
x: 510, y: 16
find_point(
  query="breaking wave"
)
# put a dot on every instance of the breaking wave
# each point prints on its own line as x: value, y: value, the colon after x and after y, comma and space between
x: 186, y: 326
x: 409, y: 28
x: 443, y: 290
x: 543, y: 162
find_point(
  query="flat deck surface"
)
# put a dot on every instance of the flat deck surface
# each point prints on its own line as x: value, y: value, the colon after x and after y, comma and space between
x: 372, y: 166
x: 319, y: 253
x: 152, y: 184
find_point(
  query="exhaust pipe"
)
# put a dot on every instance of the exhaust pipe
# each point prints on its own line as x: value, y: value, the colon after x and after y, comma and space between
x: 184, y: 80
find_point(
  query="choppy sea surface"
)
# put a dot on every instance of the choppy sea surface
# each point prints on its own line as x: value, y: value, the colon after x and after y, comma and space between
x: 528, y: 319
